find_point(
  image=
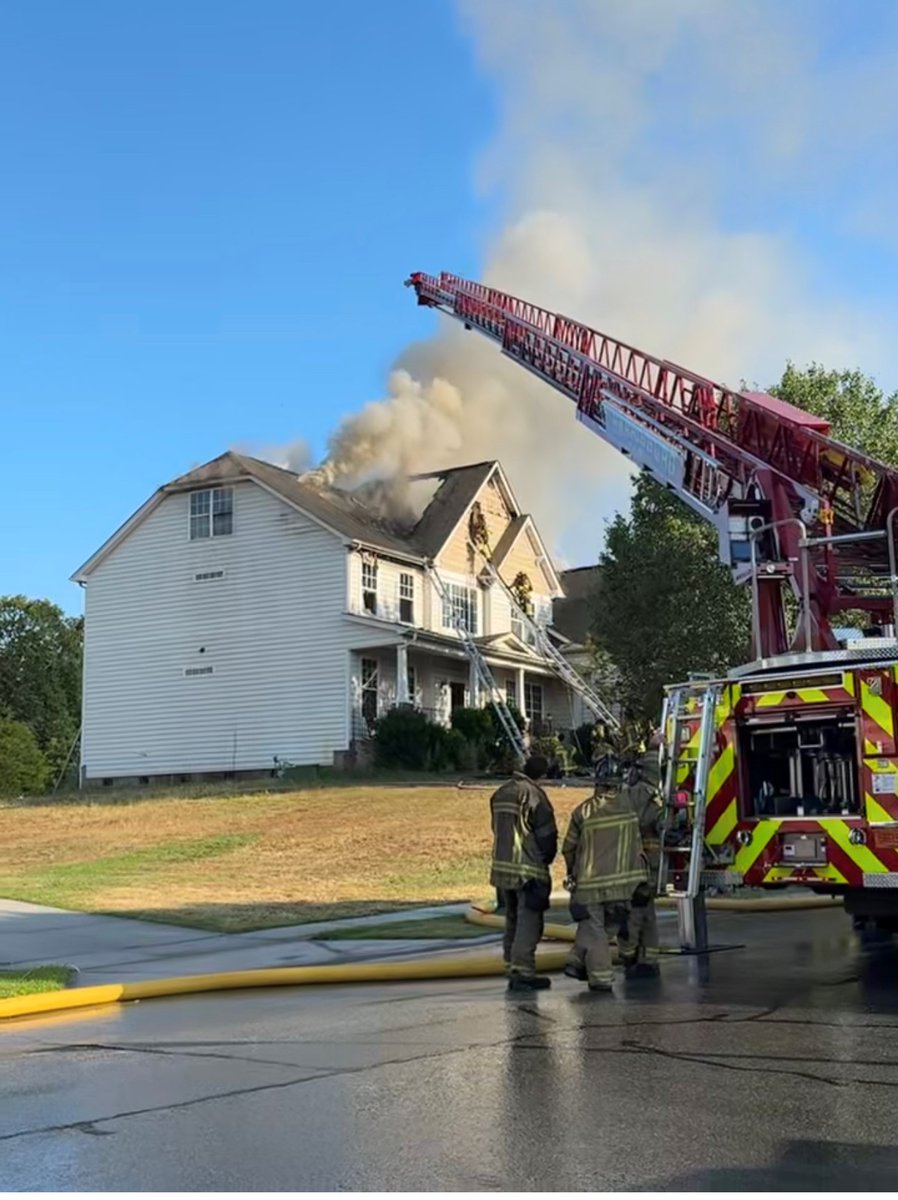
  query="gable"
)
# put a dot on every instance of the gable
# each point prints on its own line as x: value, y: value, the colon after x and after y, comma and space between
x: 457, y: 554
x: 523, y: 556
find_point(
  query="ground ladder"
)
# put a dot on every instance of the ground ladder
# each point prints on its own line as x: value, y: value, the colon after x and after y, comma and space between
x: 560, y: 665
x: 485, y: 678
x: 687, y: 756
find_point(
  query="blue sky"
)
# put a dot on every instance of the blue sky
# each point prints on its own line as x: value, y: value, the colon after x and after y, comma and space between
x: 208, y: 208
x: 207, y: 214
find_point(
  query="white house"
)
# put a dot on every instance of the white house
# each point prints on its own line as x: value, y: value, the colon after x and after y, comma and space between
x: 244, y: 617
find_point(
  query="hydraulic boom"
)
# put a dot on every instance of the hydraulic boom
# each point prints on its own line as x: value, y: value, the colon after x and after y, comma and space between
x: 794, y: 509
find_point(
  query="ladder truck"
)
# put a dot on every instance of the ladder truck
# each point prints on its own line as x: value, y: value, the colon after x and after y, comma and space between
x: 785, y: 771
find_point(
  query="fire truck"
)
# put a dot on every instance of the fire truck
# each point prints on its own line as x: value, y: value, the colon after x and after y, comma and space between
x: 784, y: 772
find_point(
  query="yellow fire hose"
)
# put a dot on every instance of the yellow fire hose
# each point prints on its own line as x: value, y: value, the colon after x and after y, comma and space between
x: 463, y: 967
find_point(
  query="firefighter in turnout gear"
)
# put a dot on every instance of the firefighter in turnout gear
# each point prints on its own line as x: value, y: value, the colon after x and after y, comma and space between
x: 603, y: 855
x: 525, y: 842
x: 640, y: 792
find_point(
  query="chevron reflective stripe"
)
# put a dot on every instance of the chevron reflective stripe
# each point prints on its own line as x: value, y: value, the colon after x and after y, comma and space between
x: 861, y: 856
x: 827, y: 874
x: 879, y: 717
x: 721, y: 810
x: 762, y: 833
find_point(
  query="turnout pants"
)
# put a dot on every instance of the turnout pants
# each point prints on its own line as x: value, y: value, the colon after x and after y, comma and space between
x: 643, y: 925
x: 592, y: 948
x: 523, y: 931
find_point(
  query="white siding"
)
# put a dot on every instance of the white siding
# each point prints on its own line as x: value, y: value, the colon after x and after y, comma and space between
x: 388, y: 574
x: 273, y: 630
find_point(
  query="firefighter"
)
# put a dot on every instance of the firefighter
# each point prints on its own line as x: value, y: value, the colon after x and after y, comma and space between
x: 525, y: 842
x: 603, y: 855
x: 640, y: 793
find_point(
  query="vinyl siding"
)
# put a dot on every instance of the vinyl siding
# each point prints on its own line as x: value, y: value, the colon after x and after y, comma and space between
x: 273, y: 630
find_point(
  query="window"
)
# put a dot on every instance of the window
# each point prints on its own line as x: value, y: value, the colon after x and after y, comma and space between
x: 211, y: 513
x: 205, y: 576
x: 369, y: 586
x: 407, y: 599
x: 511, y: 692
x: 533, y: 702
x: 460, y: 606
x: 189, y: 671
x: 369, y: 691
x: 411, y: 684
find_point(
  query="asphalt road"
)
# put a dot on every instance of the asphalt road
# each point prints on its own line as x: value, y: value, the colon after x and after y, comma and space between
x: 772, y: 1067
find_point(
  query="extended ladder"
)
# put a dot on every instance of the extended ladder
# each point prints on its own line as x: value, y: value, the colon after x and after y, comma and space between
x: 691, y: 845
x: 560, y: 665
x: 485, y: 678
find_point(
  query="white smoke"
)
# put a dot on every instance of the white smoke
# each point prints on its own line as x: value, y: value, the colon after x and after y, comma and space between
x: 637, y: 142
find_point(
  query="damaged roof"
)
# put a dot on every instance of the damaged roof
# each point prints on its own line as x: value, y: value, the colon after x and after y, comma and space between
x: 453, y: 497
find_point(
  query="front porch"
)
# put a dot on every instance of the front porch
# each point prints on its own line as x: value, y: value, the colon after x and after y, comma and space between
x: 436, y: 676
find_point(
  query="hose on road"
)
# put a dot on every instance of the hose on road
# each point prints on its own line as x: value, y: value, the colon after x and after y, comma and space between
x: 408, y: 971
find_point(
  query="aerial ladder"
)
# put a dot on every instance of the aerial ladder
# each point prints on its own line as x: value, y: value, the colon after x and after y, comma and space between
x: 803, y: 519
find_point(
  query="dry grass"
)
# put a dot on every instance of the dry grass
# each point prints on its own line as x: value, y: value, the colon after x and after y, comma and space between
x: 238, y: 862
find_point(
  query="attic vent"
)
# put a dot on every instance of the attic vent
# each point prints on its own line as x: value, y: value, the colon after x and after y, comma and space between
x: 203, y: 576
x: 189, y: 671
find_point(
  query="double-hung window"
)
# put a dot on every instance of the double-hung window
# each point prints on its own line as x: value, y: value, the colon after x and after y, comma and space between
x: 460, y: 607
x: 211, y: 513
x: 369, y: 586
x: 407, y: 599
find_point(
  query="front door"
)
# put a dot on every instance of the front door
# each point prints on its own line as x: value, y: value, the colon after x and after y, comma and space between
x: 456, y: 696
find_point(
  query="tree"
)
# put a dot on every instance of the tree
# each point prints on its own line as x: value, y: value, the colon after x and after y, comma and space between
x: 665, y: 606
x: 40, y: 672
x: 23, y: 768
x: 861, y: 415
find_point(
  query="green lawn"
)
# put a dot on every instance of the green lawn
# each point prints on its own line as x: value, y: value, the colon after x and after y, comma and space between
x: 450, y: 926
x: 35, y: 979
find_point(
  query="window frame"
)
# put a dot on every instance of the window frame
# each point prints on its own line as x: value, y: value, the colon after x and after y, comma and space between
x: 459, y: 594
x: 369, y: 569
x: 406, y: 597
x: 371, y: 687
x: 530, y: 690
x: 209, y: 515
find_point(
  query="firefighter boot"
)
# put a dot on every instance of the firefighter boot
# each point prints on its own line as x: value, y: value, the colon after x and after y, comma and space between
x: 529, y: 983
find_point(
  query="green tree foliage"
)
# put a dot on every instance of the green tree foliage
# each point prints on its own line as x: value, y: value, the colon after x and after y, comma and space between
x: 665, y: 606
x: 40, y: 672
x: 861, y: 415
x: 23, y: 768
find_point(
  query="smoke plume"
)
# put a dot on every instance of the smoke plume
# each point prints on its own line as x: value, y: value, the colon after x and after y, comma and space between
x: 642, y: 155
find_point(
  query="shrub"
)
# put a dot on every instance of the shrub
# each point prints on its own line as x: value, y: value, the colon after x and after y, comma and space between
x: 404, y: 738
x: 23, y: 768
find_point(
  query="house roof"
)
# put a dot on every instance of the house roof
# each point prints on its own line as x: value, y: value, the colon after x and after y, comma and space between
x: 458, y: 488
x: 336, y: 510
x: 512, y: 532
x: 572, y: 614
x: 339, y: 511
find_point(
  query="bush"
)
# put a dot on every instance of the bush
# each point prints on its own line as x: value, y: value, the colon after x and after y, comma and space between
x: 404, y: 738
x: 23, y: 768
x: 477, y: 728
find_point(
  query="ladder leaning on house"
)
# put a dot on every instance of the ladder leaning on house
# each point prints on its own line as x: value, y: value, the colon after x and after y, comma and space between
x: 485, y: 678
x: 560, y: 665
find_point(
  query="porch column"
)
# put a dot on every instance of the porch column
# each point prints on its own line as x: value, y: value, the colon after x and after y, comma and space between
x: 402, y: 696
x: 519, y: 693
x: 474, y: 686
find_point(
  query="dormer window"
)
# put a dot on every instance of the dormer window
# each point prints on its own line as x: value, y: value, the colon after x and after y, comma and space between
x: 369, y: 586
x: 211, y: 513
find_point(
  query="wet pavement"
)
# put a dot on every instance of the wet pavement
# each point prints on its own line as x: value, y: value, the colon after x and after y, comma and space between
x: 770, y: 1067
x: 105, y: 949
